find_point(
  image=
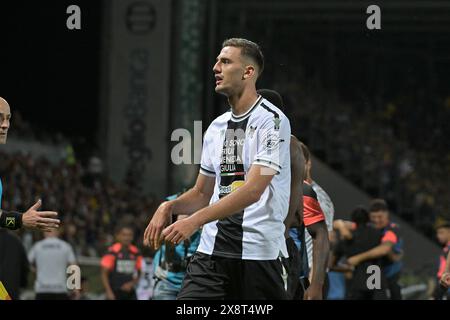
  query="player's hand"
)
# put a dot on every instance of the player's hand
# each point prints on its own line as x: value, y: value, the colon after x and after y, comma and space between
x: 42, y: 220
x: 345, y: 267
x: 445, y: 280
x: 110, y: 295
x: 180, y: 230
x: 353, y: 261
x: 161, y: 218
x: 314, y: 292
x: 127, y: 286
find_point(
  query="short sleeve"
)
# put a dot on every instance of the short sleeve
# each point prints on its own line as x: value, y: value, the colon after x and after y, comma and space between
x: 108, y: 261
x: 139, y: 263
x: 32, y: 255
x: 70, y: 255
x: 390, y: 236
x: 312, y: 212
x: 206, y: 165
x: 273, y: 140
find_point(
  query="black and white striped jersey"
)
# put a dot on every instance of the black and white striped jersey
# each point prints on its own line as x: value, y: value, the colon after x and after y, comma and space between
x: 231, y: 145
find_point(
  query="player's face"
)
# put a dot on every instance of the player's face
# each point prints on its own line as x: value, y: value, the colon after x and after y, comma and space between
x: 380, y: 219
x: 443, y: 235
x: 125, y: 236
x: 5, y: 117
x: 229, y: 71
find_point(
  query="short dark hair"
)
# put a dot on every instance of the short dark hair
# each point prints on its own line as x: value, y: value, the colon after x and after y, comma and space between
x: 121, y: 227
x: 248, y: 49
x: 273, y: 96
x: 306, y: 153
x: 378, y: 205
x: 360, y: 216
x: 445, y: 225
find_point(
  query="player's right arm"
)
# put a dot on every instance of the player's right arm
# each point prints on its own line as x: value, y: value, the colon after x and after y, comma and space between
x: 189, y: 202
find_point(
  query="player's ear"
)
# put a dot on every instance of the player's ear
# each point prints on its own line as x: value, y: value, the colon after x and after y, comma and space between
x: 249, y: 72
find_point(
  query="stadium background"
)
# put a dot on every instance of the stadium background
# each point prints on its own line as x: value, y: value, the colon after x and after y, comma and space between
x: 94, y: 109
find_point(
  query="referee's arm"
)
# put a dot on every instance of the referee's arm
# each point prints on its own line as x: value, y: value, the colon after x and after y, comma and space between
x: 249, y: 193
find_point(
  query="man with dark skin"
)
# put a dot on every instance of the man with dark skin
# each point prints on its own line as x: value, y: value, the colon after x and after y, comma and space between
x: 296, y: 208
x: 295, y: 214
x: 30, y: 219
x: 314, y: 220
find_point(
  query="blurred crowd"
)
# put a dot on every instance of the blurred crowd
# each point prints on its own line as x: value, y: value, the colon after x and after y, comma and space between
x: 89, y: 204
x: 395, y: 149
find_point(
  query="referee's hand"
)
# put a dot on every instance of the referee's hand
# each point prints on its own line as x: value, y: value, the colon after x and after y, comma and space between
x: 42, y: 220
x: 161, y: 218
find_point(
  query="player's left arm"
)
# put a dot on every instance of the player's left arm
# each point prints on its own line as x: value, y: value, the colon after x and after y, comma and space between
x: 258, y: 179
x: 321, y: 248
x: 379, y: 251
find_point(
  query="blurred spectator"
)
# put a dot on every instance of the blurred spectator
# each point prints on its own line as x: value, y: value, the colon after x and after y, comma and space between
x: 121, y: 266
x: 90, y: 205
x: 364, y: 238
x: 389, y: 251
x: 50, y: 258
x: 443, y: 236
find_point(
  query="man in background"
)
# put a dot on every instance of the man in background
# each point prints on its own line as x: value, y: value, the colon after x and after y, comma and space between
x: 364, y: 237
x: 443, y: 235
x: 121, y: 266
x: 390, y: 250
x: 294, y: 228
x: 324, y: 201
x: 50, y: 258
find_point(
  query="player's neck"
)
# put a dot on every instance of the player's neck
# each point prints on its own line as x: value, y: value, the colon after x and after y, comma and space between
x: 241, y: 103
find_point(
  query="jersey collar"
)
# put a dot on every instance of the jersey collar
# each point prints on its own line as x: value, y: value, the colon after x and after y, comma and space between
x: 246, y: 114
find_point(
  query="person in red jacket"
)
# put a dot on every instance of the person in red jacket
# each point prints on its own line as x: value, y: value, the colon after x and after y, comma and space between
x: 121, y: 267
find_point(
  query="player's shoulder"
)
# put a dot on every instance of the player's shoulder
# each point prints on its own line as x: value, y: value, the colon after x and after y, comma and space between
x: 223, y: 118
x: 65, y: 244
x: 218, y: 123
x: 319, y: 190
x: 268, y: 109
x: 133, y: 249
x: 308, y: 190
x: 267, y: 113
x: 115, y: 248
